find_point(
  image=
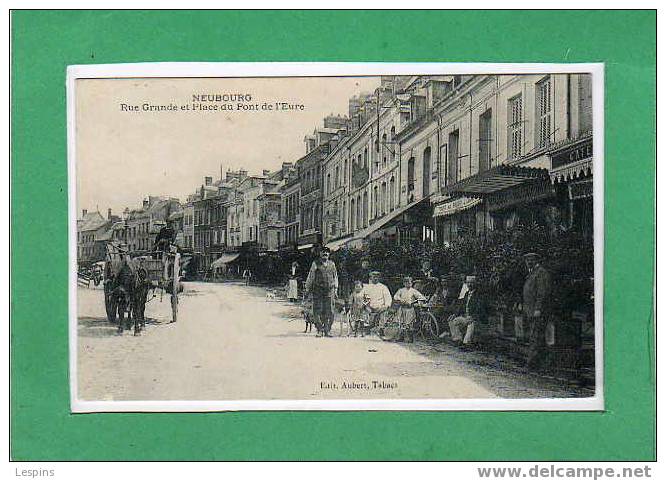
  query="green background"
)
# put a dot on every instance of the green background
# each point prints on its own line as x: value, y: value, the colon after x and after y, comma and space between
x: 45, y: 42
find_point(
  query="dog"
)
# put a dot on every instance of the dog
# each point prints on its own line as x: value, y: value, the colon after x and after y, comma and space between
x: 306, y: 311
x: 270, y: 295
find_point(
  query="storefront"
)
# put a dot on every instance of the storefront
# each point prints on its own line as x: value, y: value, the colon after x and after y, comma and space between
x: 496, y: 199
x: 572, y: 173
x: 454, y: 215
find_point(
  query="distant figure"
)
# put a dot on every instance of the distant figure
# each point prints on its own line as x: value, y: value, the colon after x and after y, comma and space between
x: 247, y: 275
x: 292, y: 289
x: 536, y: 307
x: 322, y: 284
x: 363, y: 274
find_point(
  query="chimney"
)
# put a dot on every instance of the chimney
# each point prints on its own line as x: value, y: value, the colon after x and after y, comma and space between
x: 108, y: 214
x: 266, y: 172
x: 208, y: 180
x: 242, y: 174
x: 85, y: 211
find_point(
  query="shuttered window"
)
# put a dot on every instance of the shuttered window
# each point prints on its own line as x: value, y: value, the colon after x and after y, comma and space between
x: 515, y: 126
x: 543, y: 100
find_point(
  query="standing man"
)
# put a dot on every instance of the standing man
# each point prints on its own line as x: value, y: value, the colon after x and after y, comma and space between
x: 322, y: 284
x: 363, y: 274
x: 536, y: 307
x: 379, y: 300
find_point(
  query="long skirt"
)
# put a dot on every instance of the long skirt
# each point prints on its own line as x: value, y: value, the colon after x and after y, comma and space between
x: 406, y: 318
x: 292, y: 292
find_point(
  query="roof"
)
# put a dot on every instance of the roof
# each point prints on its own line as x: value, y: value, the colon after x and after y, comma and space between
x: 91, y: 221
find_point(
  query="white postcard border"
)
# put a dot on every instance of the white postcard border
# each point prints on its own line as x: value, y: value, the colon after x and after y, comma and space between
x: 324, y: 69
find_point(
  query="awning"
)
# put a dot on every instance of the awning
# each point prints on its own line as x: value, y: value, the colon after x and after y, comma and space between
x: 336, y: 244
x: 305, y: 246
x: 453, y: 206
x: 386, y: 219
x: 572, y: 171
x: 496, y: 179
x: 224, y: 259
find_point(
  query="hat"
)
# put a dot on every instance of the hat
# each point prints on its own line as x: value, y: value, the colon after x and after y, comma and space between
x: 470, y: 278
x: 325, y: 249
x: 375, y: 273
x: 531, y: 255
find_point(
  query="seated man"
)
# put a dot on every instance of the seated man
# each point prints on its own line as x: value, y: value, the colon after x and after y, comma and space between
x: 379, y: 300
x: 473, y: 314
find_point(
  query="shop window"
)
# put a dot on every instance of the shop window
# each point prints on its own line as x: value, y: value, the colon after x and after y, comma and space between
x: 544, y: 112
x: 515, y: 127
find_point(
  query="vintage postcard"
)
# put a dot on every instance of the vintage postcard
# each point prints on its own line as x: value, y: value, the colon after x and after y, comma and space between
x: 322, y: 236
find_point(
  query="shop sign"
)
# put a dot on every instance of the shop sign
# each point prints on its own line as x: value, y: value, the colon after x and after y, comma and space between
x: 569, y: 155
x: 454, y: 206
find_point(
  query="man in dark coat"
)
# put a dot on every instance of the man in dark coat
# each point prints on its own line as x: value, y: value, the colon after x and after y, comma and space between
x: 141, y: 289
x: 472, y: 317
x: 322, y: 284
x: 536, y: 307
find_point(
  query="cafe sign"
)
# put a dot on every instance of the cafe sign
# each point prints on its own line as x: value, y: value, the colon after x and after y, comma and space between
x: 455, y: 205
x: 574, y: 153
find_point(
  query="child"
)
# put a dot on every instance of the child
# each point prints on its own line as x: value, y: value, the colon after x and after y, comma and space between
x: 407, y: 297
x: 292, y: 289
x: 358, y: 303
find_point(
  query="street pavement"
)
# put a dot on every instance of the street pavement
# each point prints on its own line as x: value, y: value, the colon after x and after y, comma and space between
x: 233, y: 342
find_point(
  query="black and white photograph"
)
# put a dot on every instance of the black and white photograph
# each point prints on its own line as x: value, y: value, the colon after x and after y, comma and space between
x: 335, y: 237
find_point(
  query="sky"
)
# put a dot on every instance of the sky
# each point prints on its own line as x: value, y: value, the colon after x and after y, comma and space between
x: 123, y: 155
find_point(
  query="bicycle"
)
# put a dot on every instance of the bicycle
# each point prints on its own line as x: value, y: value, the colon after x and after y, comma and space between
x: 426, y: 325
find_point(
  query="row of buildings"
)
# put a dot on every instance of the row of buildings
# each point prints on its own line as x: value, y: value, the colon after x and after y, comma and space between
x: 421, y: 158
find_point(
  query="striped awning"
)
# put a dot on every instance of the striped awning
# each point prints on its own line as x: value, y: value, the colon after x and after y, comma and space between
x: 496, y: 179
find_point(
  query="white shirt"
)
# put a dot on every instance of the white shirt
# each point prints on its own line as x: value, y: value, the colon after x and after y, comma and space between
x: 379, y: 296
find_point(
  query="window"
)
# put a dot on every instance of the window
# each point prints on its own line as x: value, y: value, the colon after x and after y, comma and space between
x: 392, y: 194
x: 384, y: 198
x: 515, y: 127
x: 426, y: 172
x: 485, y: 139
x: 543, y: 104
x: 377, y: 201
x: 453, y: 158
x: 345, y: 173
x: 352, y: 215
x: 410, y: 175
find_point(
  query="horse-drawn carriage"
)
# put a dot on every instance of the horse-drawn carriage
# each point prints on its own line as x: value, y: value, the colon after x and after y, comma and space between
x: 127, y: 281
